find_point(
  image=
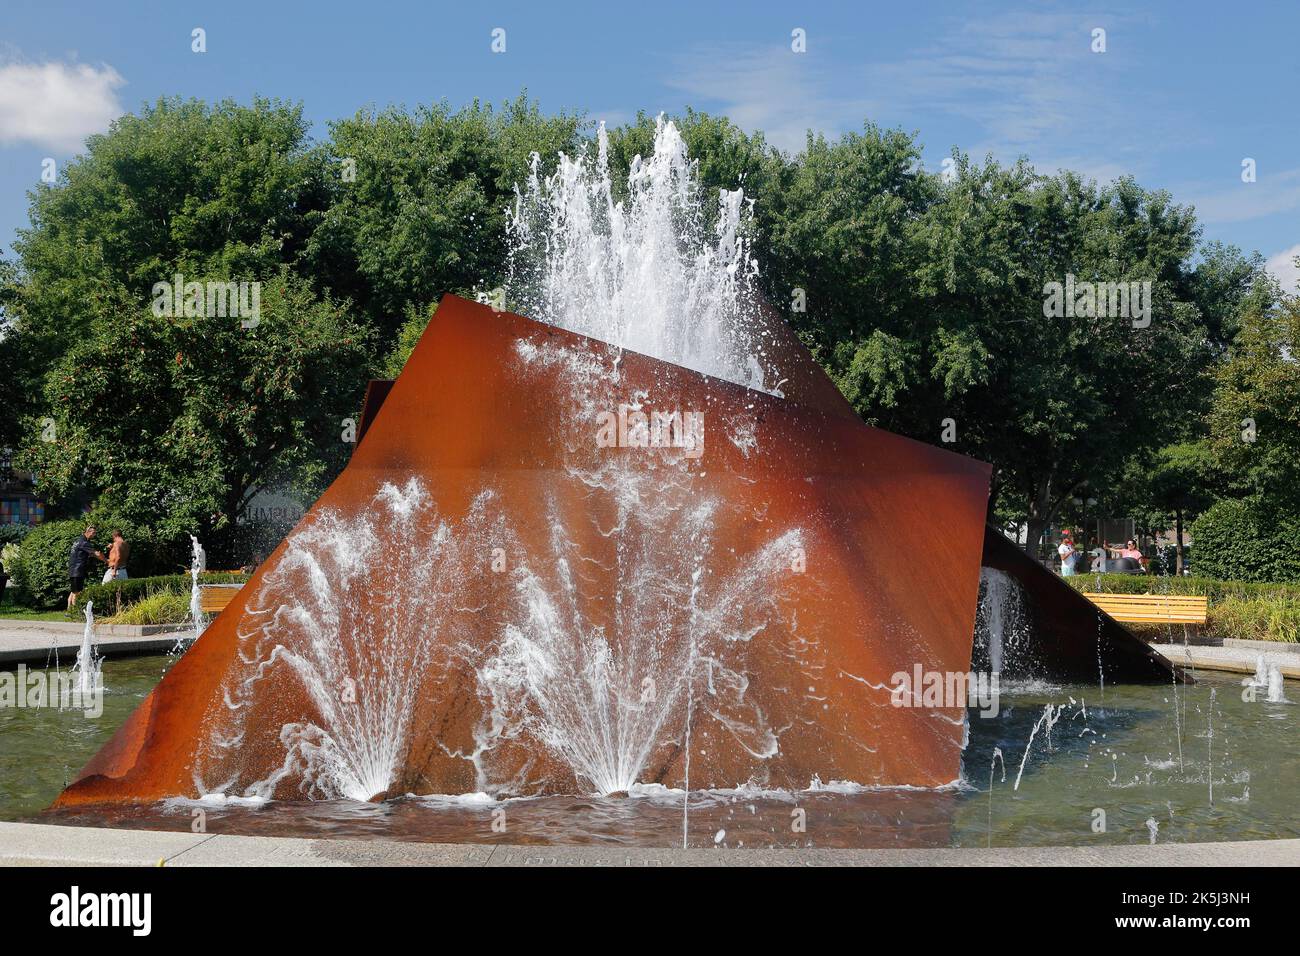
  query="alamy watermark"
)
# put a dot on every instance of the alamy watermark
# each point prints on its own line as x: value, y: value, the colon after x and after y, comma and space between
x: 192, y: 300
x: 39, y: 688
x: 631, y: 427
x: 1098, y: 300
x: 939, y: 689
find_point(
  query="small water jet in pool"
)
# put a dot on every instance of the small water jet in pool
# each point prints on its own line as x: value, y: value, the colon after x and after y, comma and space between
x: 88, y: 671
x: 198, y: 618
x: 1260, y: 677
x: 198, y: 564
x: 1276, y: 686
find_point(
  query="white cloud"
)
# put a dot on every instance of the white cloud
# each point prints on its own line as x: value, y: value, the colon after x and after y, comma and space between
x: 1283, y: 267
x: 1028, y: 83
x: 1240, y: 202
x: 772, y: 89
x: 1023, y: 83
x: 56, y: 105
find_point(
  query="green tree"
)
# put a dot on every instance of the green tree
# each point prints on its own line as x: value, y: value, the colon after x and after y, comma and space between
x: 225, y: 190
x: 1181, y: 482
x: 419, y: 200
x: 175, y: 423
x: 1255, y: 422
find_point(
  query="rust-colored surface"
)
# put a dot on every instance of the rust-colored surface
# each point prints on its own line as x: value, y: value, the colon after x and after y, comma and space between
x: 376, y: 391
x: 890, y: 532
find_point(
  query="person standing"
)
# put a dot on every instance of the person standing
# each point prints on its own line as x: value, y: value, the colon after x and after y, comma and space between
x: 79, y: 563
x: 118, y: 555
x: 1066, y: 551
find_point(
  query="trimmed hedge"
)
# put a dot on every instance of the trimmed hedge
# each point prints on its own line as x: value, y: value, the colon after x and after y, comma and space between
x: 1246, y: 540
x: 132, y: 590
x: 1214, y: 588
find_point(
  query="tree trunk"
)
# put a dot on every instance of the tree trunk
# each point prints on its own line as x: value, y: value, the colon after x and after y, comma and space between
x: 1178, y: 541
x: 1040, y: 514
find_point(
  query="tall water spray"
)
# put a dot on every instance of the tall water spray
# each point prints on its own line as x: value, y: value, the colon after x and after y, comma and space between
x: 88, y: 668
x: 198, y: 564
x: 639, y: 269
x: 642, y: 271
x: 365, y: 667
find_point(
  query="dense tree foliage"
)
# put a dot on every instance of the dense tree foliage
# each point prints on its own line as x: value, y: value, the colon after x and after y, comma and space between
x: 176, y: 422
x: 925, y: 296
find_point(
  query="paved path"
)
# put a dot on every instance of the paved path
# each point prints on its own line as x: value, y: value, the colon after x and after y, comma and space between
x: 29, y: 844
x: 1239, y: 660
x: 35, y: 642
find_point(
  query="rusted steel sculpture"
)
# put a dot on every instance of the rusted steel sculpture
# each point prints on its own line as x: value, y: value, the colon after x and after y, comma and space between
x: 552, y: 566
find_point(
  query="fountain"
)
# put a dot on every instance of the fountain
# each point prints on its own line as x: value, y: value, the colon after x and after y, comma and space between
x: 1003, y: 629
x: 88, y: 670
x: 637, y: 539
x: 1276, y: 686
x: 198, y: 564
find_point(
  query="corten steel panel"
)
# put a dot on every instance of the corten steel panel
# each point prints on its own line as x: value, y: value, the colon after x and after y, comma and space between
x: 1074, y: 639
x: 891, y: 531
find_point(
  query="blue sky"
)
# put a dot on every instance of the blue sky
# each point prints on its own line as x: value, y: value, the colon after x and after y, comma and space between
x: 1182, y: 94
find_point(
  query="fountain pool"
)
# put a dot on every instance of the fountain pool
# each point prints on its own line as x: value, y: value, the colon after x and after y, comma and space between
x: 1120, y: 758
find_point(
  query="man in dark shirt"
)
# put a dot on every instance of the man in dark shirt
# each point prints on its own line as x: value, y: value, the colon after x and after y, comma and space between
x: 79, y: 563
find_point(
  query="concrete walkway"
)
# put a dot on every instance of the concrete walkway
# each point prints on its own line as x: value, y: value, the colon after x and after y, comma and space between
x: 1236, y: 659
x: 35, y: 642
x: 31, y: 844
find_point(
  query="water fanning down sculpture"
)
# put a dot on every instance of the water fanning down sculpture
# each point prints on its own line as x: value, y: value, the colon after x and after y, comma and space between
x: 556, y: 564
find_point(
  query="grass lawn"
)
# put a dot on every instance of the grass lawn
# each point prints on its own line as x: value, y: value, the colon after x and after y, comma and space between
x: 12, y: 612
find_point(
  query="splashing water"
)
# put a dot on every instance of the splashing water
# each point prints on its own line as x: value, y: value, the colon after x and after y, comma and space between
x: 198, y: 564
x: 362, y: 669
x: 1051, y: 714
x: 1276, y: 686
x: 603, y: 695
x: 88, y: 670
x: 1209, y: 740
x: 1002, y: 625
x: 641, y: 273
x: 621, y: 626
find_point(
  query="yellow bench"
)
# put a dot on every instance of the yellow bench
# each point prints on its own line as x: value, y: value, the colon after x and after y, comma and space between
x: 1153, y: 608
x: 213, y: 598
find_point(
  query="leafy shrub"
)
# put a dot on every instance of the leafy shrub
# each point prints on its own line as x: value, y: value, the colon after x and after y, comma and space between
x: 1246, y: 540
x: 9, y: 559
x: 163, y: 607
x: 12, y: 533
x: 42, y: 565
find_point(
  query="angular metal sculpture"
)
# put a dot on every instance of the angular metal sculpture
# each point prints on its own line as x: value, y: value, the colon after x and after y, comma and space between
x: 533, y: 578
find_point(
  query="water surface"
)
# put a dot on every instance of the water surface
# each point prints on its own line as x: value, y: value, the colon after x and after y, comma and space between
x: 1119, y: 757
